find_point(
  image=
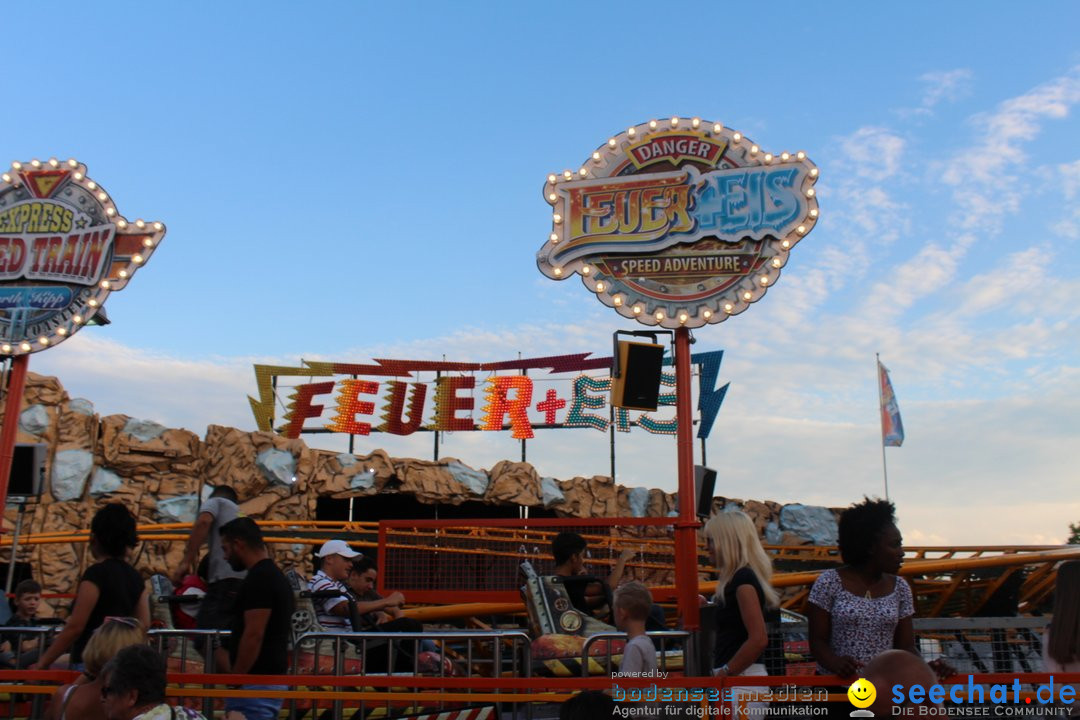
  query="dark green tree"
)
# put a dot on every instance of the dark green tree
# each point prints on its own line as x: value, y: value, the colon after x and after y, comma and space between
x: 1074, y: 534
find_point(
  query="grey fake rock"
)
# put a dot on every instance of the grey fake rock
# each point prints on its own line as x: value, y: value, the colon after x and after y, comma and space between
x: 550, y: 492
x: 34, y: 420
x: 773, y: 534
x: 639, y: 501
x: 70, y: 469
x: 143, y: 430
x: 476, y: 480
x: 179, y: 509
x: 362, y: 480
x: 81, y: 406
x: 277, y: 466
x: 813, y: 522
x: 104, y: 482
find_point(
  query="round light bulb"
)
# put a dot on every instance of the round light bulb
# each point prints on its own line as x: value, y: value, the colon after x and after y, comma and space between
x: 801, y: 229
x: 800, y: 155
x: 695, y: 123
x: 784, y: 156
x: 737, y: 137
x: 810, y: 192
x: 585, y: 269
x: 611, y: 143
x: 92, y: 185
x: 147, y: 242
x: 77, y: 319
x: 92, y: 303
x: 813, y: 213
x: 140, y: 224
x: 583, y: 172
x: 776, y: 262
x: 631, y: 132
x: 728, y: 307
x: 747, y: 295
x: 36, y: 163
x: 717, y: 127
x: 552, y: 178
x: 652, y: 124
x: 25, y: 347
x: 136, y: 259
x: 54, y: 162
x: 785, y: 243
x: 61, y: 331
x: 5, y: 347
x: 43, y: 340
x: 158, y: 226
x: 618, y: 300
x: 754, y: 151
x: 553, y: 237
x: 659, y: 315
x: 707, y: 314
x: 600, y: 287
x: 637, y: 309
x: 683, y: 317
x: 105, y: 284
x: 764, y: 279
x: 552, y: 197
x: 674, y: 122
x: 557, y: 271
x: 567, y: 174
x: 72, y: 162
x: 813, y: 172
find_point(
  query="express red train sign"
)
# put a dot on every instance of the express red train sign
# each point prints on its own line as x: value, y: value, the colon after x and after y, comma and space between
x: 64, y: 248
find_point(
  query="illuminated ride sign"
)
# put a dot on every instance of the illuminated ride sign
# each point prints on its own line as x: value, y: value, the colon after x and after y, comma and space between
x: 64, y: 247
x: 680, y: 222
x: 507, y: 398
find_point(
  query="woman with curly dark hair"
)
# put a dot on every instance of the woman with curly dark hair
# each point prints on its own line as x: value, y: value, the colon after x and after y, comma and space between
x: 111, y: 587
x: 862, y: 608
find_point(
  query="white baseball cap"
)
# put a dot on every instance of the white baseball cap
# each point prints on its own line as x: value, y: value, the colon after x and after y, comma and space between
x: 337, y: 547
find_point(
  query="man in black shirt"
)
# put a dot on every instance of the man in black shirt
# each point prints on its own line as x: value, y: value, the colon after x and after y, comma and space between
x: 261, y: 618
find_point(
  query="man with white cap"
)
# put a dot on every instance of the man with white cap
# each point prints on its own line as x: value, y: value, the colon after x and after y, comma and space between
x: 333, y: 613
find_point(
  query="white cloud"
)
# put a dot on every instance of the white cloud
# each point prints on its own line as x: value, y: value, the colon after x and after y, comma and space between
x: 945, y: 86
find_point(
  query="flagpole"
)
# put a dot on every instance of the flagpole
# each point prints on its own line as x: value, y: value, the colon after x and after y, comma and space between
x: 881, y: 399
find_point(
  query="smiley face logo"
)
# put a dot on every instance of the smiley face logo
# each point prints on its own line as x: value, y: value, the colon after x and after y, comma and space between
x: 862, y: 693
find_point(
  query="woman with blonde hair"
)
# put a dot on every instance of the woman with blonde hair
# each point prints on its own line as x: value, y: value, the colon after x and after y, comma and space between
x: 744, y: 592
x: 82, y: 698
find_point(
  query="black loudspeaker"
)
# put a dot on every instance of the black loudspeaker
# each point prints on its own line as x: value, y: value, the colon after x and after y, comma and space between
x: 27, y: 470
x: 704, y: 486
x: 638, y: 385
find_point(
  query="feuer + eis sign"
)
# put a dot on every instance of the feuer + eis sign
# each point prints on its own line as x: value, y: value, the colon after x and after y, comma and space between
x: 680, y: 222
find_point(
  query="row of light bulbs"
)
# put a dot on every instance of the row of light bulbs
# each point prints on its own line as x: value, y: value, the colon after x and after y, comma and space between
x: 654, y: 125
x: 99, y: 193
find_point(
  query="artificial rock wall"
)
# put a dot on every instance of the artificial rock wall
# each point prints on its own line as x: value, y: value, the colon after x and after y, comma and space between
x: 160, y: 474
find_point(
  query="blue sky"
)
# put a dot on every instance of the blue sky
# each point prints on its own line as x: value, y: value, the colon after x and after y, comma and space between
x: 344, y: 181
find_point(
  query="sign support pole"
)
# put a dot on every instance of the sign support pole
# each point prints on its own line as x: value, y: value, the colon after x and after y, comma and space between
x: 12, y: 404
x: 686, y: 570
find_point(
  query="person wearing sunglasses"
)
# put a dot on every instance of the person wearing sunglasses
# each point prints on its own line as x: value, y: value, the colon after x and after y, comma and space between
x: 133, y: 688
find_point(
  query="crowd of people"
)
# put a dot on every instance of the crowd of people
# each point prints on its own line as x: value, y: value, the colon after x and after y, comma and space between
x: 860, y: 613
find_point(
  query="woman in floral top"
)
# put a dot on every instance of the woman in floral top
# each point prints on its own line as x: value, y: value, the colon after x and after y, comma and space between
x: 863, y: 608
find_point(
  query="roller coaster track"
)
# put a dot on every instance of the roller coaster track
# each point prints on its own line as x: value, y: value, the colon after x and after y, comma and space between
x: 947, y: 581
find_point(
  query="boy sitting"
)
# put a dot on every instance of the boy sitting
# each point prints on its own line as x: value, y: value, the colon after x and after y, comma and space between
x: 632, y: 603
x: 20, y: 650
